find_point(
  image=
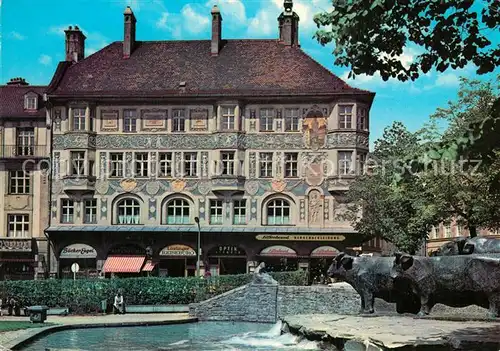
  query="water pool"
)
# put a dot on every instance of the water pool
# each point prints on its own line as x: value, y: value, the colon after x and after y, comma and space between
x: 203, y: 336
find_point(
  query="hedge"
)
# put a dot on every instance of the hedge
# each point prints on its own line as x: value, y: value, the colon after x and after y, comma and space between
x: 85, y: 296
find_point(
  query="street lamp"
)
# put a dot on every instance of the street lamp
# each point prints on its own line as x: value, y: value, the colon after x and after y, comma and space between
x: 198, y: 251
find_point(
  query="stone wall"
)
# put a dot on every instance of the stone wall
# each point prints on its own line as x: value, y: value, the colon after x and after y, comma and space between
x: 267, y: 303
x: 248, y: 303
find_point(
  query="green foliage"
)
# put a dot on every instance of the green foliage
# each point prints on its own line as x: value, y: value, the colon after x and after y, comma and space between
x: 424, y: 178
x: 399, y: 213
x: 7, y: 326
x: 370, y: 35
x: 85, y: 296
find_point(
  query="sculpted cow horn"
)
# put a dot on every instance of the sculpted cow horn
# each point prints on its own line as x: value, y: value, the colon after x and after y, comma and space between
x: 461, y: 244
x: 398, y: 256
x: 339, y: 256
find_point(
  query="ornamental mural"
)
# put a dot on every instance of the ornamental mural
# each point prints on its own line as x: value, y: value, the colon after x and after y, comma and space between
x: 314, y: 127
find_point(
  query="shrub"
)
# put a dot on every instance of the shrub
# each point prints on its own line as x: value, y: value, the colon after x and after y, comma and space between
x: 85, y: 296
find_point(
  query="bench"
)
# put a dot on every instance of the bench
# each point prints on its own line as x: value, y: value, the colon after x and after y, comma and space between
x: 58, y: 311
x: 156, y: 308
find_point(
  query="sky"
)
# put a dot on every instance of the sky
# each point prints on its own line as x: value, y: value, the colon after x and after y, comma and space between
x: 32, y: 43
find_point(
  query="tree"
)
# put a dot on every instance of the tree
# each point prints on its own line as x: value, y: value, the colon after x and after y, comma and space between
x: 370, y: 35
x: 399, y: 213
x: 462, y: 170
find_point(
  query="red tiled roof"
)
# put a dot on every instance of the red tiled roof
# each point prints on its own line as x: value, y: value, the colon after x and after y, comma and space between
x: 12, y: 101
x: 156, y: 68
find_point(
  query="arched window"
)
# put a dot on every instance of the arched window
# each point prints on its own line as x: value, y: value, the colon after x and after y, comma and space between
x: 278, y: 212
x: 178, y: 212
x: 129, y: 211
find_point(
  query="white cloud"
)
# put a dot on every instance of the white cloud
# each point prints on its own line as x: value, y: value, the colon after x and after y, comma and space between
x: 261, y: 24
x: 45, y: 60
x: 162, y: 21
x: 232, y: 10
x: 447, y: 80
x: 16, y: 35
x: 58, y: 30
x: 194, y: 21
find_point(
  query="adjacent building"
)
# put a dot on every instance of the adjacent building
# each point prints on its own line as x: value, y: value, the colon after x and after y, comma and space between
x: 445, y: 232
x: 24, y: 178
x: 248, y: 145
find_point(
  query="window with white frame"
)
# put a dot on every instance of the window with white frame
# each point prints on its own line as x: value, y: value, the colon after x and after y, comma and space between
x: 266, y: 119
x: 362, y: 120
x: 190, y: 164
x: 77, y: 163
x: 67, y: 210
x: 240, y: 211
x: 30, y: 102
x: 278, y: 212
x: 129, y: 121
x: 345, y: 116
x: 178, y: 120
x: 178, y: 212
x: 291, y: 164
x: 433, y: 232
x: 116, y: 165
x: 166, y: 162
x: 292, y: 119
x: 228, y: 118
x: 142, y: 164
x: 19, y: 182
x: 129, y: 211
x: 361, y: 163
x: 92, y: 122
x: 266, y: 164
x: 447, y: 230
x: 25, y: 142
x: 458, y: 230
x: 78, y: 119
x: 19, y: 226
x: 344, y: 162
x: 216, y: 212
x: 227, y: 160
x: 90, y: 211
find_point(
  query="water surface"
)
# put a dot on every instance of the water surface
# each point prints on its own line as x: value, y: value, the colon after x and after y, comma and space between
x: 203, y: 336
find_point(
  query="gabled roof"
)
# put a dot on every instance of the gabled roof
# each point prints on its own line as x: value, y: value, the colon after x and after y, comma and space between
x: 156, y: 68
x: 12, y: 100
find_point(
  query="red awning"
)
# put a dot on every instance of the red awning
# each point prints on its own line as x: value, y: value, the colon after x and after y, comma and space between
x: 123, y: 264
x: 148, y: 266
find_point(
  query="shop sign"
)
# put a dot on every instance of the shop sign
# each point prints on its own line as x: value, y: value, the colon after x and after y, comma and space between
x: 325, y: 251
x: 15, y: 245
x: 228, y: 251
x: 286, y: 237
x: 78, y: 251
x: 177, y: 250
x: 278, y: 251
x: 127, y: 250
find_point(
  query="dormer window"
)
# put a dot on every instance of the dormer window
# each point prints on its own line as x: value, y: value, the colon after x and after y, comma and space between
x: 30, y: 102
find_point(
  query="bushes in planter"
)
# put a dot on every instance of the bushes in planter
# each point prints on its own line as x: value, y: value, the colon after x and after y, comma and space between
x: 85, y: 296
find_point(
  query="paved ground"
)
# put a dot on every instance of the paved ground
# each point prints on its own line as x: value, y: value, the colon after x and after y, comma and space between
x: 9, y: 339
x: 391, y: 332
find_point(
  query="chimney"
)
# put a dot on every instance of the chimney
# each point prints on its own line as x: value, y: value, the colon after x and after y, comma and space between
x: 75, y: 44
x: 289, y: 25
x: 18, y: 81
x: 216, y: 31
x: 129, y: 32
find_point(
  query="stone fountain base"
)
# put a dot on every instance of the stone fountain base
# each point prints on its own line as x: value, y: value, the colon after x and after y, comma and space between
x: 373, y: 333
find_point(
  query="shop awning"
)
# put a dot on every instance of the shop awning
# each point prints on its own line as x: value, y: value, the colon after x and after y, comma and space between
x: 123, y: 264
x: 148, y: 266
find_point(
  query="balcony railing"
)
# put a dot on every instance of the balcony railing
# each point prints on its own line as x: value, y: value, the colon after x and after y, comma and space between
x: 23, y: 151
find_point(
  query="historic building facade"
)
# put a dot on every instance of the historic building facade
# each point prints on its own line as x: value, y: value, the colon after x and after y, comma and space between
x: 250, y: 143
x: 24, y: 194
x: 445, y: 232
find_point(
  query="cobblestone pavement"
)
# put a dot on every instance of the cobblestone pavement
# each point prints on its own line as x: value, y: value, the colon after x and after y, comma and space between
x: 391, y: 332
x: 8, y: 339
